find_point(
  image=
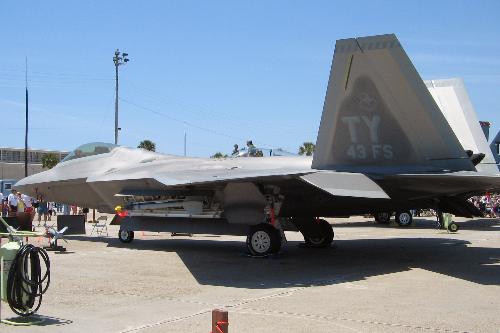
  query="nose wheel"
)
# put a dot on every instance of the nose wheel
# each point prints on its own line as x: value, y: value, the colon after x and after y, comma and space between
x: 125, y: 236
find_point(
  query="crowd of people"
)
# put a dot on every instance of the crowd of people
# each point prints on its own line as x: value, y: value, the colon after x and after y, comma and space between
x: 488, y: 204
x: 17, y: 202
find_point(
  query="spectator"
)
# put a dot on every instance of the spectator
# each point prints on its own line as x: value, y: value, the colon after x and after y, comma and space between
x: 12, y: 201
x: 50, y: 209
x: 20, y: 203
x: 66, y: 209
x: 5, y: 207
x: 42, y: 210
x: 28, y: 205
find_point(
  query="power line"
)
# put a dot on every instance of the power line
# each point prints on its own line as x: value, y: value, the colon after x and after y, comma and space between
x: 180, y: 120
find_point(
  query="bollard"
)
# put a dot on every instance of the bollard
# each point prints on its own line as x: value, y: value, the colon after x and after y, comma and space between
x: 220, y: 321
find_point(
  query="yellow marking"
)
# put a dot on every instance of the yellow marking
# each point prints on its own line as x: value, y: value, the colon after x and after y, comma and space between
x: 348, y: 71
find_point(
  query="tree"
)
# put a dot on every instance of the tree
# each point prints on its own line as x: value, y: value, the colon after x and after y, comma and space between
x: 218, y: 155
x: 148, y: 145
x: 49, y: 160
x: 307, y: 148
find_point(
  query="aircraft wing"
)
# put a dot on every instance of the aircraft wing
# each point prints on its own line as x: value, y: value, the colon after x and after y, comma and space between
x: 172, y: 177
x: 334, y: 183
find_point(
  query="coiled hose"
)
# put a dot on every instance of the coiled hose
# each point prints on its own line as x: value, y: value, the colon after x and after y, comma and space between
x: 25, y: 283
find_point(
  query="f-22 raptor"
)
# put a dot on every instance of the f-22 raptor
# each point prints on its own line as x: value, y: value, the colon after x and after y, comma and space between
x: 383, y: 146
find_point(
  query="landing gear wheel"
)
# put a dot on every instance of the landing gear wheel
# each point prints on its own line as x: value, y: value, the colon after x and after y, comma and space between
x: 322, y: 238
x: 125, y: 236
x: 404, y: 219
x: 263, y: 239
x: 382, y: 217
x: 453, y: 227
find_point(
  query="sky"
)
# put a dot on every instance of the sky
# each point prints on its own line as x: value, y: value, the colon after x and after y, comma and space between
x: 222, y: 72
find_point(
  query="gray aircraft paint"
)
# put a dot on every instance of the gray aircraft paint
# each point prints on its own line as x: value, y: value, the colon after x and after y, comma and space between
x: 383, y: 145
x: 379, y: 117
x: 455, y: 104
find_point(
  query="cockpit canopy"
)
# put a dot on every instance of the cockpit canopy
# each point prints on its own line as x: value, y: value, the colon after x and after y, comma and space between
x: 90, y: 149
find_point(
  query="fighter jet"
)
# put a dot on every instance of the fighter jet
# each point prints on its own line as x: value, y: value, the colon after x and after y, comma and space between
x: 383, y: 146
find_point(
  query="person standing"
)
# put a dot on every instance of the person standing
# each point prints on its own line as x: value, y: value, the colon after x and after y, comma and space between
x: 12, y: 202
x: 66, y: 209
x: 28, y: 206
x: 50, y: 209
x: 20, y: 203
x: 42, y: 210
x: 1, y: 204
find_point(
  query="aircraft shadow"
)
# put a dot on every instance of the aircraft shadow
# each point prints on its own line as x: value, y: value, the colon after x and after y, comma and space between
x: 224, y: 263
x: 483, y: 224
x: 36, y: 320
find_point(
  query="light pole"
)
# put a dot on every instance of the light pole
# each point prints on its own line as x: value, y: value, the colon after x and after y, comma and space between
x: 118, y: 59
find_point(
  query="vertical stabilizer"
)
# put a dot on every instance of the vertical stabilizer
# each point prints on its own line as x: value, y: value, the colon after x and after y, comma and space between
x: 379, y: 117
x: 453, y: 100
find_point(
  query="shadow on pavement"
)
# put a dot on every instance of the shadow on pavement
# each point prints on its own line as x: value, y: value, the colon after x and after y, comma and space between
x: 483, y: 224
x: 224, y: 263
x: 36, y: 320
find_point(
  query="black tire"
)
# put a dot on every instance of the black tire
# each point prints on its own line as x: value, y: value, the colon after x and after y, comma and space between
x: 263, y: 239
x: 382, y: 217
x: 323, y: 237
x: 125, y: 236
x: 453, y: 227
x: 404, y: 219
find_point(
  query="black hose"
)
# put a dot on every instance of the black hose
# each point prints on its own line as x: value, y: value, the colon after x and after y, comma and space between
x: 25, y: 284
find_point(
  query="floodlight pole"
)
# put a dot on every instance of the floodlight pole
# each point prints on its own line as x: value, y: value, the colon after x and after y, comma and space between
x: 118, y: 59
x: 26, y: 129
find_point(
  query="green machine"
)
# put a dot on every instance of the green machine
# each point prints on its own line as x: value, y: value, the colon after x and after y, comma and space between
x: 448, y: 223
x: 23, y: 281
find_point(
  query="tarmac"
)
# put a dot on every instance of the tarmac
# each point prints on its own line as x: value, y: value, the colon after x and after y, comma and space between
x: 375, y: 278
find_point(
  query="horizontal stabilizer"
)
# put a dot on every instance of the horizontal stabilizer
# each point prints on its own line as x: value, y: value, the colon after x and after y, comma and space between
x: 379, y: 117
x: 346, y: 184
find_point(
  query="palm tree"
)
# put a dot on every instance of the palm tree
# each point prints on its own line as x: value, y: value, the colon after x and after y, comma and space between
x: 49, y: 160
x: 148, y: 145
x: 218, y: 155
x: 307, y: 148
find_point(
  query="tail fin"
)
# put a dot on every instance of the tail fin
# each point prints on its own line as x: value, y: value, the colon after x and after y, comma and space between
x: 379, y: 117
x: 452, y: 98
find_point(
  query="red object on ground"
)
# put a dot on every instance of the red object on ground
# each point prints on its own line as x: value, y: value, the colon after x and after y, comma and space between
x: 220, y: 321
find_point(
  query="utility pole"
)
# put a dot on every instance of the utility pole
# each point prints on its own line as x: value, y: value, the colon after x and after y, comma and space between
x: 26, y: 131
x: 118, y: 59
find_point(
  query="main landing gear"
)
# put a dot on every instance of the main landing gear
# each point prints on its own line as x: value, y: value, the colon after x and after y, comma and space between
x: 263, y: 239
x: 317, y: 232
x: 403, y: 218
x: 321, y: 236
x: 382, y: 217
